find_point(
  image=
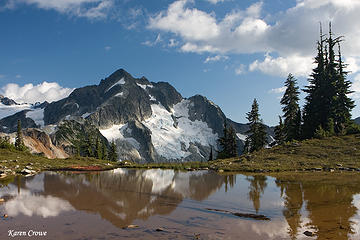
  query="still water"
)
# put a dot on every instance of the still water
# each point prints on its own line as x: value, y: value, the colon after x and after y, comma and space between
x: 166, y: 204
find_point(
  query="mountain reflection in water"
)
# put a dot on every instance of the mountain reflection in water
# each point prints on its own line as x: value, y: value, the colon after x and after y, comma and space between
x: 324, y: 204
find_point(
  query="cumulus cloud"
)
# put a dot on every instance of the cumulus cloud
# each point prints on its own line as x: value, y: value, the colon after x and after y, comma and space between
x: 215, y: 1
x: 240, y: 69
x: 278, y: 90
x: 356, y: 87
x: 291, y: 35
x: 216, y: 58
x: 30, y: 93
x: 92, y: 9
x: 282, y: 66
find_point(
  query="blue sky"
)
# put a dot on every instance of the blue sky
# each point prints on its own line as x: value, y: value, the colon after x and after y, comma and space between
x: 231, y: 51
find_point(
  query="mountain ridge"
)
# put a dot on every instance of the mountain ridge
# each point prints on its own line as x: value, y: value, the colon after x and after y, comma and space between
x: 149, y: 121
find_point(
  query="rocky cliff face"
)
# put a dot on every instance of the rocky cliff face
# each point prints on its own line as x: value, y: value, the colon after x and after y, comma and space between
x: 7, y: 101
x: 38, y: 142
x: 148, y: 121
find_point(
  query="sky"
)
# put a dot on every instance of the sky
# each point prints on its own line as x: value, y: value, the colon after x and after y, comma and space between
x: 230, y: 51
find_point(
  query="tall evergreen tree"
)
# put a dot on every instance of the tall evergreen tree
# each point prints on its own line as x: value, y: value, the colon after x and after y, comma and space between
x: 19, y: 142
x: 257, y: 130
x: 290, y: 102
x: 113, y: 156
x: 327, y: 103
x: 104, y: 151
x: 343, y: 103
x: 227, y: 143
x: 211, y: 157
x: 313, y: 100
x: 279, y: 132
x: 89, y: 147
x: 98, y: 149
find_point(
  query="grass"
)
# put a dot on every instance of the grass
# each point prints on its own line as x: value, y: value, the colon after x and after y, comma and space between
x: 333, y: 153
x: 15, y: 161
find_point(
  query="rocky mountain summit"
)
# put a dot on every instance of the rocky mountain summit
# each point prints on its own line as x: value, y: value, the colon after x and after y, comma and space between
x: 148, y: 121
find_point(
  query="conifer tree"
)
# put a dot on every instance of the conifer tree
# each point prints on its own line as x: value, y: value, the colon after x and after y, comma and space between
x: 104, y: 151
x: 77, y: 146
x: 19, y: 142
x: 98, y: 149
x: 290, y: 102
x: 113, y: 152
x: 327, y: 103
x: 232, y: 142
x: 343, y: 104
x: 313, y: 101
x: 257, y: 131
x: 279, y: 132
x: 89, y: 147
x: 227, y: 143
x: 211, y: 157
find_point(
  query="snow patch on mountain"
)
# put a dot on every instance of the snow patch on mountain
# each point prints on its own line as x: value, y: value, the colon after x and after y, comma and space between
x: 172, y: 140
x: 85, y: 115
x: 117, y: 132
x: 120, y: 94
x: 144, y: 86
x: 120, y: 82
x: 8, y: 110
x: 152, y: 98
x: 242, y: 137
x: 37, y: 115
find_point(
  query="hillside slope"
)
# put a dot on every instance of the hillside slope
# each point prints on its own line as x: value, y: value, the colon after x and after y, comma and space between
x: 333, y: 153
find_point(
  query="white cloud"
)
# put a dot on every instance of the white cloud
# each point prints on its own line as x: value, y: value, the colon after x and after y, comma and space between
x: 150, y: 43
x: 191, y: 24
x: 81, y: 8
x: 278, y: 90
x: 215, y: 1
x: 107, y: 48
x: 38, y: 93
x: 216, y: 58
x: 356, y: 87
x: 353, y: 64
x: 291, y: 35
x: 173, y: 42
x: 240, y: 70
x: 282, y: 66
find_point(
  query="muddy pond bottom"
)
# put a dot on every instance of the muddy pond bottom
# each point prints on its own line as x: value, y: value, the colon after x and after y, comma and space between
x: 167, y: 204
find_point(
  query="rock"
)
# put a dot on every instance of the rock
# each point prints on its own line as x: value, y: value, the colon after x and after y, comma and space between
x: 160, y: 229
x: 2, y: 200
x: 5, y: 216
x: 26, y: 171
x: 220, y: 170
x: 131, y: 226
x: 308, y: 233
x: 339, y: 165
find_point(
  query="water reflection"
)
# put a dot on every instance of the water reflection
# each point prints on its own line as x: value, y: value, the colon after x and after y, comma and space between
x: 329, y: 202
x: 327, y: 205
x: 256, y: 189
x: 28, y: 200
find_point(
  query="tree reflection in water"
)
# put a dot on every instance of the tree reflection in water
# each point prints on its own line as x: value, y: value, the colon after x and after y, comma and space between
x: 257, y: 187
